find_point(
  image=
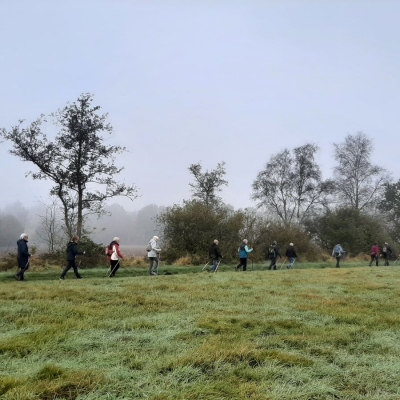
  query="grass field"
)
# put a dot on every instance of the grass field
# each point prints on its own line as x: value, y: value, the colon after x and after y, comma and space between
x: 311, y: 333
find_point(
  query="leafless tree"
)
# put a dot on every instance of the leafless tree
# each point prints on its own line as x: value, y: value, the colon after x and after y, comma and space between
x: 291, y: 184
x: 359, y: 183
x: 51, y: 230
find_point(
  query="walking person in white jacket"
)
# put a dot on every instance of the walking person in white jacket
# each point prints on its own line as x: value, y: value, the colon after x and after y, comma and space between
x: 153, y: 252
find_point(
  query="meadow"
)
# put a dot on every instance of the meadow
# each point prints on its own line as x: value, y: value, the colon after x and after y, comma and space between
x: 315, y: 332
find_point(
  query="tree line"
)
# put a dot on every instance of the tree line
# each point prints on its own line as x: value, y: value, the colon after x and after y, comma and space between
x: 358, y: 205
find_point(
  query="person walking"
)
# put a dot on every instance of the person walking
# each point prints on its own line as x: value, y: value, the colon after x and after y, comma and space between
x: 387, y: 253
x: 374, y: 252
x: 214, y: 255
x: 72, y: 252
x: 243, y: 252
x: 23, y: 257
x: 291, y: 255
x: 273, y: 253
x: 337, y: 252
x: 113, y: 255
x: 153, y: 252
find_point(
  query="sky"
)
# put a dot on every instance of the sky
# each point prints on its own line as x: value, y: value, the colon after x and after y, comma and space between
x: 203, y: 81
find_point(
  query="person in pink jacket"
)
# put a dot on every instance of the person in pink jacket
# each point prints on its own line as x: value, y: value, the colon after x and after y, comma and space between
x: 374, y: 252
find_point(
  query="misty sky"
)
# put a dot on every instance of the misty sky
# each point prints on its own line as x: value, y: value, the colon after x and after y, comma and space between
x: 203, y: 81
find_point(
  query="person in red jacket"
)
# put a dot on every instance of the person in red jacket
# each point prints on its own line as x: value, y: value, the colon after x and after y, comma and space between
x: 113, y: 255
x: 374, y: 254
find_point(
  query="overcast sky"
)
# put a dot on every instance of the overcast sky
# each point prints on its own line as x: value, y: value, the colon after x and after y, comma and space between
x: 204, y: 81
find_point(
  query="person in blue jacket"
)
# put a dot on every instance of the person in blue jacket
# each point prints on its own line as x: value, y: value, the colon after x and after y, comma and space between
x: 22, y: 257
x: 243, y: 252
x: 72, y: 252
x: 338, y: 253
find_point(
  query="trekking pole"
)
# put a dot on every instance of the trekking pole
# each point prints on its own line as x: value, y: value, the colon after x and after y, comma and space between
x: 397, y: 260
x: 282, y: 263
x: 205, y: 266
x: 116, y: 265
x: 216, y: 269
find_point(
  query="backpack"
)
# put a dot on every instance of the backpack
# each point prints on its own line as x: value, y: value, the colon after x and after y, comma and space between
x: 149, y: 248
x: 271, y: 252
x: 108, y: 252
x: 384, y: 249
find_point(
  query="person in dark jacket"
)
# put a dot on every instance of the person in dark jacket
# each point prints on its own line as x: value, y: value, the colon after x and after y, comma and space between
x: 72, y: 252
x: 387, y: 253
x: 22, y: 257
x: 214, y: 254
x: 243, y: 252
x: 291, y: 255
x: 374, y: 253
x: 273, y: 253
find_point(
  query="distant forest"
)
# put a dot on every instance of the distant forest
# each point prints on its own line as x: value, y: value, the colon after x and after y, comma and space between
x: 133, y: 227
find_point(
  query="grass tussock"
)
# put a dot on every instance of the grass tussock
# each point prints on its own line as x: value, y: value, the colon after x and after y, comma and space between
x: 315, y: 333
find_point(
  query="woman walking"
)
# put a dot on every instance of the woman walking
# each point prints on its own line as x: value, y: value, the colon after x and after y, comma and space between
x: 113, y: 255
x: 72, y: 252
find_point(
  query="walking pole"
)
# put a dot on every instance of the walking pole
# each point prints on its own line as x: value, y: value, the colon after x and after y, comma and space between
x: 205, y: 266
x: 216, y: 269
x: 396, y: 260
x: 282, y: 263
x: 113, y: 269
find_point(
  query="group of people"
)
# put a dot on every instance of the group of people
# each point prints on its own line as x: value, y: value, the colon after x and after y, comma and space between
x: 153, y: 252
x: 243, y: 250
x: 376, y: 252
x: 113, y: 254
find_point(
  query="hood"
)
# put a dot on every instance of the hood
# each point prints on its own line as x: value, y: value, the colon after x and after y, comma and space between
x: 19, y: 241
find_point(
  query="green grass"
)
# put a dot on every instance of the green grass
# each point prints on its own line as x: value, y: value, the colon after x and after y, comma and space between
x: 315, y: 332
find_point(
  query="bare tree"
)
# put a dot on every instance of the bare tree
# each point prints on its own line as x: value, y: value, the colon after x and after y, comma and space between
x: 51, y: 230
x: 359, y: 183
x: 291, y: 185
x: 207, y: 184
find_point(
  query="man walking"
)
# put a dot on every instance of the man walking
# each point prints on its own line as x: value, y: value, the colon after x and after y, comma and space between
x: 374, y: 252
x: 291, y: 255
x: 273, y: 253
x: 243, y: 252
x: 214, y: 254
x: 387, y: 253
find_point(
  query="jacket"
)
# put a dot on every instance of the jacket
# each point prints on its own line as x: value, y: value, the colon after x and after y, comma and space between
x: 214, y: 252
x: 270, y: 256
x: 244, y: 250
x: 23, y: 253
x: 388, y: 251
x: 72, y: 251
x: 154, y: 249
x: 337, y: 251
x: 291, y: 252
x: 374, y: 250
x: 113, y: 252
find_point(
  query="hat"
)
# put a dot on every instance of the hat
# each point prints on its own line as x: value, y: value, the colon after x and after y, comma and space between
x: 291, y: 244
x: 116, y: 239
x: 155, y: 237
x: 245, y: 240
x: 274, y: 242
x: 23, y: 236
